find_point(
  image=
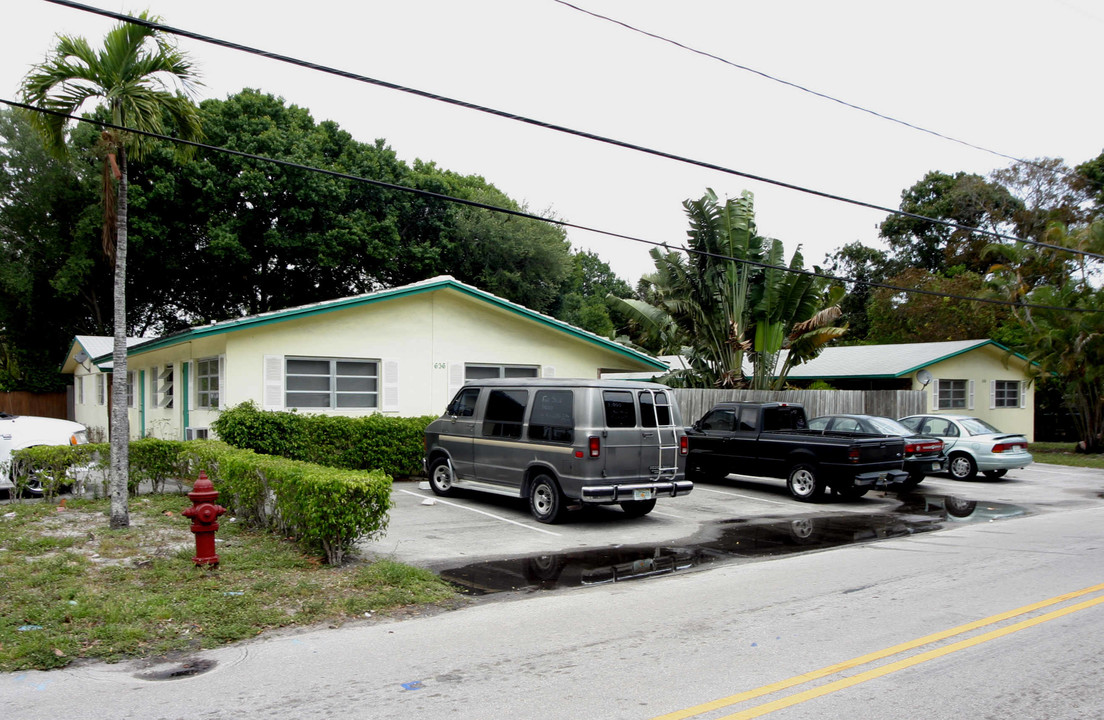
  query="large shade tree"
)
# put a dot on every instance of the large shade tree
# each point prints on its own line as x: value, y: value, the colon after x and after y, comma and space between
x: 142, y: 79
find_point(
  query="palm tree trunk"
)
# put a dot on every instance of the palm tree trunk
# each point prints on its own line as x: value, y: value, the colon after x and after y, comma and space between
x: 120, y: 419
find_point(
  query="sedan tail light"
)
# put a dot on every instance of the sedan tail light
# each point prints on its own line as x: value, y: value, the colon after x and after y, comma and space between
x: 1005, y: 447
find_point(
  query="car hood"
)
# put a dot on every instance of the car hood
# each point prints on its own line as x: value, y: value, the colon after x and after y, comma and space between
x: 21, y: 431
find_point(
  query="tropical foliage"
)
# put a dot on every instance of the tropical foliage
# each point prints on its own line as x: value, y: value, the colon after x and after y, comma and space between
x: 729, y: 297
x: 136, y: 74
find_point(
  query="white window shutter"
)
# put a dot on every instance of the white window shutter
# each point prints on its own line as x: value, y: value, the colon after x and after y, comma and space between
x: 222, y: 383
x: 273, y: 382
x: 971, y: 405
x: 455, y: 379
x: 935, y: 394
x: 992, y: 394
x: 389, y: 397
x: 1023, y: 394
x: 548, y: 371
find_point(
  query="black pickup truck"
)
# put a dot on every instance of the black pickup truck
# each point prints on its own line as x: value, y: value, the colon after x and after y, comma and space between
x: 773, y: 440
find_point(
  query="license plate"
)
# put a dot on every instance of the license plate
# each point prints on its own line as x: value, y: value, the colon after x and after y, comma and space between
x: 937, y: 466
x: 642, y: 494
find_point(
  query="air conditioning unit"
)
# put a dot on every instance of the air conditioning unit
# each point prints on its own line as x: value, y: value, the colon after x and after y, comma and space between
x: 196, y: 433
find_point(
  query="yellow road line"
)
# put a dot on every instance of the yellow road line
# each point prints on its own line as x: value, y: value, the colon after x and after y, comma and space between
x: 889, y: 652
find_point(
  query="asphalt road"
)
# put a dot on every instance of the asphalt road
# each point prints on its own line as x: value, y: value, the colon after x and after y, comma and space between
x: 979, y: 619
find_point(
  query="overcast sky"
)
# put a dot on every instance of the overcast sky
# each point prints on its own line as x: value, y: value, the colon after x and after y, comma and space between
x: 1015, y: 76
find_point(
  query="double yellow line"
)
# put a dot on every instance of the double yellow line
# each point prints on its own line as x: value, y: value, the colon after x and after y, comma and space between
x: 893, y: 667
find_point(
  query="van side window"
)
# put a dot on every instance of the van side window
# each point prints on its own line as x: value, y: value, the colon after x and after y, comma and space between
x: 620, y: 408
x: 463, y: 405
x: 505, y: 413
x: 553, y: 416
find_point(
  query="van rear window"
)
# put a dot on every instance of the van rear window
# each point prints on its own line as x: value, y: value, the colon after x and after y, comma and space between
x: 505, y: 413
x: 654, y: 409
x: 620, y: 408
x: 553, y: 417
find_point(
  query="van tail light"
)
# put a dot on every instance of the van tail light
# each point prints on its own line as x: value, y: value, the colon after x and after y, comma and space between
x: 853, y: 454
x: 684, y: 445
x: 594, y: 445
x: 1005, y: 447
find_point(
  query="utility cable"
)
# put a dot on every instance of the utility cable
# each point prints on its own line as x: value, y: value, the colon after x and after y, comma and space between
x: 550, y: 126
x: 810, y: 91
x: 529, y: 216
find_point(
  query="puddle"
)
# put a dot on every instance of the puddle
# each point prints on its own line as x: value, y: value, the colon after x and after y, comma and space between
x: 179, y: 671
x: 723, y: 541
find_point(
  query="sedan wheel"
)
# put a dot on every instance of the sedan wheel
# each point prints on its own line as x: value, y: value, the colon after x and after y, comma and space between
x: 962, y: 467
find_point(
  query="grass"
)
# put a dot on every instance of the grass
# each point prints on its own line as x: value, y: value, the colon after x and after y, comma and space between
x: 1063, y: 454
x: 73, y: 588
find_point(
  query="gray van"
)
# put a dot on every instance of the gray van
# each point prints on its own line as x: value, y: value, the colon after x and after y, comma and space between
x: 561, y: 443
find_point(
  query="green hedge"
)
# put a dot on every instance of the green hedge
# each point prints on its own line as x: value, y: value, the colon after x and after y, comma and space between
x: 375, y: 442
x: 324, y: 508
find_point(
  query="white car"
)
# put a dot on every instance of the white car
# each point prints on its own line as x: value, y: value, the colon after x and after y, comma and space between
x: 24, y: 431
x: 972, y: 444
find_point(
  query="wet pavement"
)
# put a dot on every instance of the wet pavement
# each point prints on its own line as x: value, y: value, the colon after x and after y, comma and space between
x: 722, y: 541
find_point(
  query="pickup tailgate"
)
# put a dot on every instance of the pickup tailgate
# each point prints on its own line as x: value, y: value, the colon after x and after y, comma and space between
x: 877, y: 452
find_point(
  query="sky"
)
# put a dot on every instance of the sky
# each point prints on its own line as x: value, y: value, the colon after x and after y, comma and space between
x: 1013, y: 76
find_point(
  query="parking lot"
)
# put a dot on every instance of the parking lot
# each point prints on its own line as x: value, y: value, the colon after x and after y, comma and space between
x: 737, y: 517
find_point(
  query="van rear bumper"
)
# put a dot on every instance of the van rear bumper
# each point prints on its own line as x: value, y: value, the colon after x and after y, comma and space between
x: 619, y: 493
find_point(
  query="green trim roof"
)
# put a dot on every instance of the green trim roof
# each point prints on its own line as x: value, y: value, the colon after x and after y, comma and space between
x: 436, y: 284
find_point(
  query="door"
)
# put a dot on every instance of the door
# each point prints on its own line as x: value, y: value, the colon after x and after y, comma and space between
x: 458, y: 436
x: 500, y: 456
x: 658, y: 436
x: 621, y: 444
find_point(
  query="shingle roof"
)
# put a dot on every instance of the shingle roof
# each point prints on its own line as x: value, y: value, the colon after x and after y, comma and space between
x: 443, y: 282
x: 882, y: 361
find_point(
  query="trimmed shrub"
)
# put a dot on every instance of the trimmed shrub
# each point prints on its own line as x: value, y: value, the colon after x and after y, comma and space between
x: 376, y: 442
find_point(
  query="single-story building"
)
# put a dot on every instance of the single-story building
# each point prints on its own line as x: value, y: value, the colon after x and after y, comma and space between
x: 403, y: 351
x: 968, y: 377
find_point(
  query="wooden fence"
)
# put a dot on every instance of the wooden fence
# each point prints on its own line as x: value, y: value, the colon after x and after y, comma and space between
x: 52, y: 405
x: 888, y: 403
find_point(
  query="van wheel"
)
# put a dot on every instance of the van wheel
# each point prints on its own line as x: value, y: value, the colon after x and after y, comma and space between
x: 545, y: 501
x: 638, y: 508
x: 440, y: 478
x: 803, y: 483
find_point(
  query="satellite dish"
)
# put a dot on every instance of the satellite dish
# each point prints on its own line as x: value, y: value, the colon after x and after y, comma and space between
x: 924, y: 377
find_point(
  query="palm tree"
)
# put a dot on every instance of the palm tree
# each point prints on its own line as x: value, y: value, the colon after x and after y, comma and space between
x: 139, y: 75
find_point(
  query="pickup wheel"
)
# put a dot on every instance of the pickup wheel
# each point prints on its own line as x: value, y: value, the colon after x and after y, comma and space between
x: 545, y: 500
x: 803, y: 482
x: 440, y: 478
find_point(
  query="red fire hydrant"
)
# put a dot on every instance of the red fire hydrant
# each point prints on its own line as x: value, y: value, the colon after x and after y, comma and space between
x: 204, y: 514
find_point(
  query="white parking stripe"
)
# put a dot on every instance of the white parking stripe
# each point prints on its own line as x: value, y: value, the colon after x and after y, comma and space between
x: 496, y: 517
x: 746, y: 497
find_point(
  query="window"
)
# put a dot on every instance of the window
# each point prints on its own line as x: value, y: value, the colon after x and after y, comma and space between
x: 620, y: 408
x: 553, y: 417
x: 207, y: 383
x: 484, y: 372
x: 331, y: 383
x: 723, y: 419
x: 463, y: 405
x: 1006, y: 393
x: 952, y: 395
x: 161, y: 387
x: 505, y: 413
x: 749, y: 419
x: 653, y: 411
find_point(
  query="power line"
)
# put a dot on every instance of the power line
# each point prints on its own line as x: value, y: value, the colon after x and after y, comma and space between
x: 810, y: 91
x: 550, y: 126
x: 529, y: 216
